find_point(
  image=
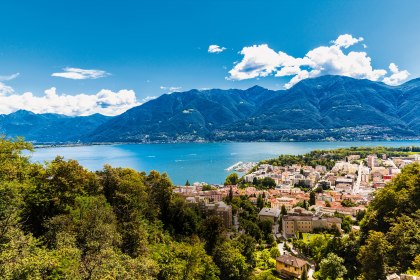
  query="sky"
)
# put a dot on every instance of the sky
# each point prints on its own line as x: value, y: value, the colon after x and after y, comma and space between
x: 84, y: 57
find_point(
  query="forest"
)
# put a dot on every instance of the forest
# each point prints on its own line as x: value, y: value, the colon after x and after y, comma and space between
x: 59, y: 220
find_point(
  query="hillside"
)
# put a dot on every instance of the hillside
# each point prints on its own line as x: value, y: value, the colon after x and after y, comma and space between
x: 319, y: 109
x: 314, y: 109
x: 49, y: 128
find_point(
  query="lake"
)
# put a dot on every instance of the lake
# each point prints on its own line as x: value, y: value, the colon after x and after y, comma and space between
x: 197, y: 162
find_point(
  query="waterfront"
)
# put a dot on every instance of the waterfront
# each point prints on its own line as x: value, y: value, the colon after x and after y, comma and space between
x: 193, y: 161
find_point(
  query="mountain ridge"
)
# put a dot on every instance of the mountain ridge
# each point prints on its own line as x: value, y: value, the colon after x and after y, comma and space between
x: 323, y: 108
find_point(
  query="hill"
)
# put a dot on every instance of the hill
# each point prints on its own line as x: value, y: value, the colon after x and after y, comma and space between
x: 327, y: 107
x: 49, y: 128
x: 319, y: 109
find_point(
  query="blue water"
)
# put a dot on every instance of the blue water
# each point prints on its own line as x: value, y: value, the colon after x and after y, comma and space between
x: 197, y: 162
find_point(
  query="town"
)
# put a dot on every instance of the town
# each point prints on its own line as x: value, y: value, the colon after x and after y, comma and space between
x: 300, y: 200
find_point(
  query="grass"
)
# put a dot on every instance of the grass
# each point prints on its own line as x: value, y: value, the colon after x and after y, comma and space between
x: 307, y: 237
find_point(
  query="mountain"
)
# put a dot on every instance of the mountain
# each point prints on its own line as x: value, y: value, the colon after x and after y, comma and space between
x: 323, y: 108
x: 49, y: 128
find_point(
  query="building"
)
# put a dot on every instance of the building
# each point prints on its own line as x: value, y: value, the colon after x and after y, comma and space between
x: 290, y: 266
x: 301, y: 220
x: 219, y: 209
x: 269, y: 214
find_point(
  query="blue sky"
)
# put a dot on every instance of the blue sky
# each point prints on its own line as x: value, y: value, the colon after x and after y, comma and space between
x: 148, y: 47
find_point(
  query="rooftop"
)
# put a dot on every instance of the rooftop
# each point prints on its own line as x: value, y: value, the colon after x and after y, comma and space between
x: 291, y: 260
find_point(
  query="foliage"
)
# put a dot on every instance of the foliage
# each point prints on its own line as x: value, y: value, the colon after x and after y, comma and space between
x: 331, y: 268
x: 373, y: 256
x: 232, y: 179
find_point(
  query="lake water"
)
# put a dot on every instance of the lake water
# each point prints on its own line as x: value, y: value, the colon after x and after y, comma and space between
x: 197, y: 162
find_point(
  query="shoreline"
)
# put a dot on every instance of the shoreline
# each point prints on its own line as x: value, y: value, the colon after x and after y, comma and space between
x: 61, y: 145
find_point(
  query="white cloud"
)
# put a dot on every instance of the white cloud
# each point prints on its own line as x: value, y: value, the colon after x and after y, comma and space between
x: 4, y: 89
x: 148, y: 98
x: 9, y: 77
x: 104, y: 102
x: 397, y: 76
x: 80, y: 74
x: 346, y: 41
x: 170, y: 89
x: 261, y: 61
x: 215, y: 49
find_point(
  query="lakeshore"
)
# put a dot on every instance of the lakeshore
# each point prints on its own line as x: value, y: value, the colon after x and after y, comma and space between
x: 196, y: 162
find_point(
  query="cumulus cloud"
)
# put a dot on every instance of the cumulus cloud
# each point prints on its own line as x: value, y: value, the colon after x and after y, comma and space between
x: 262, y: 61
x: 216, y: 49
x: 347, y: 40
x: 104, y: 102
x: 397, y: 76
x: 80, y: 74
x: 4, y: 89
x: 170, y: 89
x: 9, y: 77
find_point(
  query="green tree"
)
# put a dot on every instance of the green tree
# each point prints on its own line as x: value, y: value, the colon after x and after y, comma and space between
x: 274, y: 252
x: 125, y: 190
x: 187, y: 183
x: 304, y: 275
x: 231, y: 262
x: 260, y: 201
x: 404, y: 240
x: 232, y: 179
x: 160, y: 192
x: 267, y: 183
x: 212, y: 231
x: 373, y: 256
x: 283, y: 210
x: 230, y: 194
x: 312, y: 198
x: 331, y: 268
x: 246, y: 244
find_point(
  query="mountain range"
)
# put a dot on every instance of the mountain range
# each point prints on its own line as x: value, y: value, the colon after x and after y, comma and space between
x: 323, y: 108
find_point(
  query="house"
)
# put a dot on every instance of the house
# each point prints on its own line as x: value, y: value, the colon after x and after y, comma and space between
x: 219, y: 209
x: 301, y: 220
x: 290, y: 266
x: 269, y: 214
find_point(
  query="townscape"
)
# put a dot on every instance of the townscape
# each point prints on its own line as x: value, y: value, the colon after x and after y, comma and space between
x: 301, y: 199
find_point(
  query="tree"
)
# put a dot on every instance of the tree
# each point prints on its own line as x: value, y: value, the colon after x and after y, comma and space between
x: 231, y: 179
x: 187, y: 183
x: 231, y: 262
x: 267, y: 183
x: 266, y: 227
x: 260, y: 201
x: 160, y: 192
x: 265, y: 259
x: 372, y: 256
x: 312, y: 198
x: 246, y: 244
x: 212, y: 230
x: 283, y: 210
x: 255, y: 181
x: 304, y: 275
x: 404, y: 240
x: 230, y: 194
x: 332, y: 268
x: 125, y: 190
x: 274, y: 252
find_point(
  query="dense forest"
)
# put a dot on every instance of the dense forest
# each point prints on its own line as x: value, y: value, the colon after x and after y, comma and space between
x: 60, y: 221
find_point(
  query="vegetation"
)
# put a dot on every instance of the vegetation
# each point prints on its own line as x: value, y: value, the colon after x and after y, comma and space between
x: 61, y: 221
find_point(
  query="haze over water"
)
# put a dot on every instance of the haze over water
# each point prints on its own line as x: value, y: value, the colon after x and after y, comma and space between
x: 197, y: 162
